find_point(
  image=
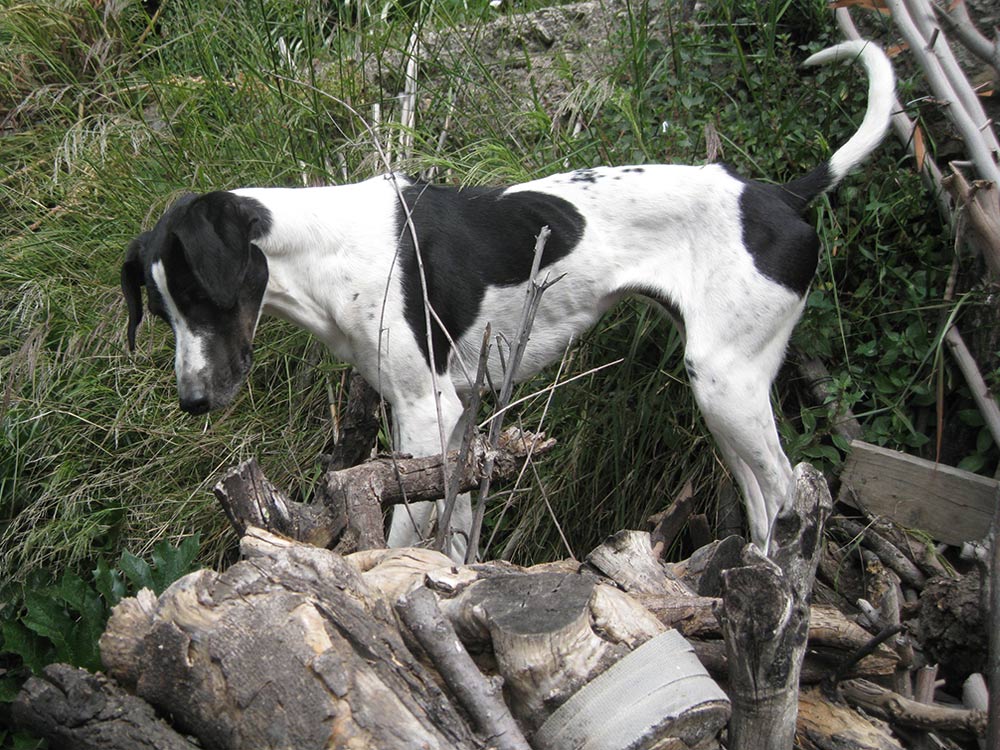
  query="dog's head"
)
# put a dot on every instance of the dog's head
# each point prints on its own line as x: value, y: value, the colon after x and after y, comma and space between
x: 205, y: 276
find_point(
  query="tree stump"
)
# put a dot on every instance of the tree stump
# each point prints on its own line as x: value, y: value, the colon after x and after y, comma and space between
x: 765, y: 617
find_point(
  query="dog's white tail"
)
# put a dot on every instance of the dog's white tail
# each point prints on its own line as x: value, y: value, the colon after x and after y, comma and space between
x: 881, y: 96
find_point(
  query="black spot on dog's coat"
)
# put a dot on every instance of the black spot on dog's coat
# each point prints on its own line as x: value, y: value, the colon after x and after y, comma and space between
x: 470, y: 239
x: 784, y: 247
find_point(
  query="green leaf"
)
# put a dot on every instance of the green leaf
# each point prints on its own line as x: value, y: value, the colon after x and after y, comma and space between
x: 47, y: 617
x: 109, y: 583
x: 137, y: 570
x: 173, y: 562
x: 34, y: 651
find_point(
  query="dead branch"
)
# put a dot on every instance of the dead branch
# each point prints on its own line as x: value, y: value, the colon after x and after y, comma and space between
x: 350, y: 501
x: 956, y: 18
x: 907, y: 712
x: 982, y: 207
x: 943, y: 83
x: 478, y: 695
x: 888, y: 553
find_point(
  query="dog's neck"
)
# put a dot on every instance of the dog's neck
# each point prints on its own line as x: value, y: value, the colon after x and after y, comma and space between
x: 321, y: 241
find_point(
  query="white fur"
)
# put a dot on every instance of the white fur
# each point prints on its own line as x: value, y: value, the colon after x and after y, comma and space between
x: 190, y: 362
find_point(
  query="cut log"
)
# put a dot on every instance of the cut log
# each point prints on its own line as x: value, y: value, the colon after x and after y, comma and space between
x: 541, y: 637
x: 76, y: 710
x: 349, y: 503
x: 951, y: 505
x: 286, y: 649
x: 765, y: 619
x: 826, y: 725
x: 627, y: 558
x: 657, y: 697
x: 557, y: 639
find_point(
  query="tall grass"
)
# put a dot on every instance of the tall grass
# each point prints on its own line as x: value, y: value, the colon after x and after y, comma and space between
x: 107, y: 117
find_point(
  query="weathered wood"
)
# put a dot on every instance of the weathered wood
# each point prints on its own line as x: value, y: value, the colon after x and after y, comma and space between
x: 357, y: 429
x: 825, y: 725
x: 539, y: 629
x: 628, y: 559
x: 349, y: 503
x: 952, y: 505
x: 907, y: 712
x: 249, y: 499
x: 765, y: 619
x: 286, y: 649
x: 477, y: 695
x: 831, y: 635
x: 76, y: 710
x: 887, y: 552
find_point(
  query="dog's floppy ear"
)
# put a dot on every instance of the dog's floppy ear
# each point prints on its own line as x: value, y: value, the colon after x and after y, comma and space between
x: 133, y: 279
x: 216, y: 245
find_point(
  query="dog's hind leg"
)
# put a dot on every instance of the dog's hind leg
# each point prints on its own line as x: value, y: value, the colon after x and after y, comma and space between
x: 735, y: 402
x: 417, y: 432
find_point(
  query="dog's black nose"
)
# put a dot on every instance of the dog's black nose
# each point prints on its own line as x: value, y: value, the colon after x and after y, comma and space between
x: 196, y: 405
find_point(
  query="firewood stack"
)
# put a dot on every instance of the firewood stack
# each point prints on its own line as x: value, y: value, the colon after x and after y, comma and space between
x: 301, y: 646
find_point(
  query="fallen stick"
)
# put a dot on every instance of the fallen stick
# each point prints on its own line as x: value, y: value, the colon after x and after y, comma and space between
x: 907, y: 712
x: 476, y: 693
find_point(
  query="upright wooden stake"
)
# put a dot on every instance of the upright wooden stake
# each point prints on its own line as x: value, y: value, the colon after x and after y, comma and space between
x: 765, y: 616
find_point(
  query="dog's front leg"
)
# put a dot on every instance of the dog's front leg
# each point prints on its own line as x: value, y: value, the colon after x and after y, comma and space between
x: 418, y: 432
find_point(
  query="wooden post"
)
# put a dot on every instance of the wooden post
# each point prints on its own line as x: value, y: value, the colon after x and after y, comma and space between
x: 993, y: 661
x: 765, y: 616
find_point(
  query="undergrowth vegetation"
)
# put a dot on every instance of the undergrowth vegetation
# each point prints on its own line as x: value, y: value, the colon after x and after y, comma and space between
x: 107, y: 115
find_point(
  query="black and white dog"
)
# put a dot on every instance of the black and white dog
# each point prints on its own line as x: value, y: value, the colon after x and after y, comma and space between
x: 729, y: 258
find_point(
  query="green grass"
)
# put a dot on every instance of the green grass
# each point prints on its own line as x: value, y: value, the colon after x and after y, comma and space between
x: 107, y: 119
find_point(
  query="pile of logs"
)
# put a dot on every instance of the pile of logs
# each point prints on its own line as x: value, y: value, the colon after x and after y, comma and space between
x: 817, y: 645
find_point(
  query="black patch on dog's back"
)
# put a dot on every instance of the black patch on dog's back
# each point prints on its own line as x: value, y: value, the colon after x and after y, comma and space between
x: 784, y: 247
x: 471, y: 239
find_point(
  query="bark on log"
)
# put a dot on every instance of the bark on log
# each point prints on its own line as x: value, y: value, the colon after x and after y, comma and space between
x: 286, y: 649
x: 907, y: 712
x: 349, y: 502
x: 953, y: 628
x: 357, y: 430
x: 765, y: 619
x: 478, y: 695
x: 77, y: 710
x: 249, y: 500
